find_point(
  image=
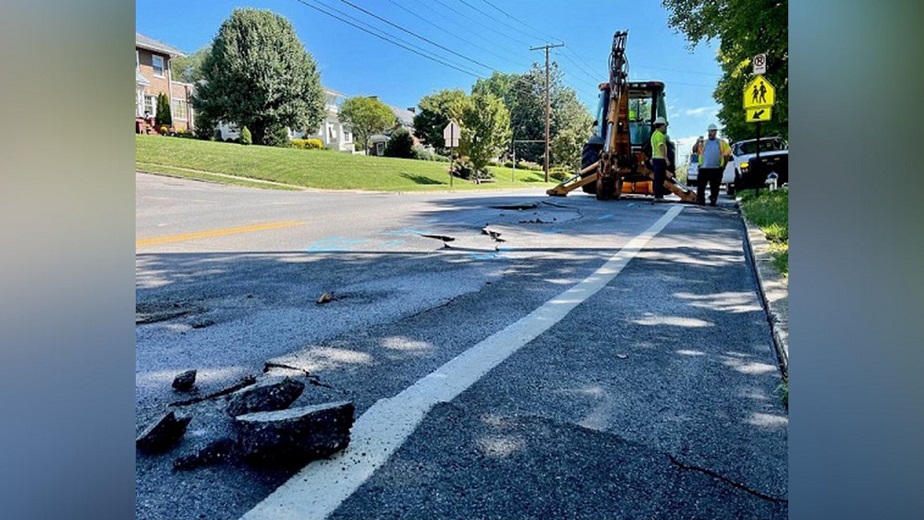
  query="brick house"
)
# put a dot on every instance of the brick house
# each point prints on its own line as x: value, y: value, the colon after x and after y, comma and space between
x: 153, y: 76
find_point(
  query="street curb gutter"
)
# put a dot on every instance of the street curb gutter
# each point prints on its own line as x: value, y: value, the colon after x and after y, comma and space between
x: 774, y: 289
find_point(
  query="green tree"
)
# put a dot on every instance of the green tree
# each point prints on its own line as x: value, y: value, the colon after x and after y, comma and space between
x: 570, y: 127
x: 163, y: 117
x: 744, y: 28
x: 400, y: 144
x: 368, y: 116
x: 434, y: 116
x: 257, y: 73
x: 189, y: 68
x: 246, y: 138
x: 485, y: 129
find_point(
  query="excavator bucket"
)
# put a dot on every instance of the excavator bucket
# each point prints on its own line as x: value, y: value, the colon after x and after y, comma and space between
x: 681, y: 190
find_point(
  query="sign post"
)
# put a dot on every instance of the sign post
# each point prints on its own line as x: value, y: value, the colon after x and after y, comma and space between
x: 759, y: 97
x: 451, y: 138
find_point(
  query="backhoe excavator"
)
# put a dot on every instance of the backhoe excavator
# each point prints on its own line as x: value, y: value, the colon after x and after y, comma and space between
x: 616, y: 159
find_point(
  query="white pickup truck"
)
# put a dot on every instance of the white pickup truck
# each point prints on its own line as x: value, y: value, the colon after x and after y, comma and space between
x: 741, y: 172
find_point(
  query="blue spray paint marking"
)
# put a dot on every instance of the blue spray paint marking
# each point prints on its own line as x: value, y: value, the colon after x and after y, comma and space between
x: 404, y: 232
x: 335, y: 244
x: 489, y: 255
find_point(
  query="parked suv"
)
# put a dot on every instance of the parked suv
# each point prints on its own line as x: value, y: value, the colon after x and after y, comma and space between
x: 744, y: 171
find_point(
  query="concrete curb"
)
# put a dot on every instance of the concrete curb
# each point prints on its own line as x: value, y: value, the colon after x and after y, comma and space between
x: 774, y: 289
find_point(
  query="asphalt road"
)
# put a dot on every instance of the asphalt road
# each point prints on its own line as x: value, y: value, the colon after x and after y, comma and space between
x: 650, y: 397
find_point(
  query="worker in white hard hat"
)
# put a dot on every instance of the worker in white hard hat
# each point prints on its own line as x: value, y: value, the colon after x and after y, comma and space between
x: 659, y: 157
x: 713, y: 153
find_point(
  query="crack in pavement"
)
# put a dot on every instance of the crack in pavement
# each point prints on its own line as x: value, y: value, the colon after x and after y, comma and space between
x: 727, y: 480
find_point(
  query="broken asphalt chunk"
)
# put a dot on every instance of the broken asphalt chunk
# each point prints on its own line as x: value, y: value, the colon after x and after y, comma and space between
x: 495, y: 235
x: 215, y: 452
x: 295, y: 436
x: 185, y: 381
x: 444, y: 238
x: 325, y: 298
x: 163, y: 434
x: 516, y: 206
x: 264, y: 397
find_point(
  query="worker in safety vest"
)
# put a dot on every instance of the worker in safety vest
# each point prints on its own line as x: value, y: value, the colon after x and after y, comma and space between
x: 659, y: 158
x: 713, y: 153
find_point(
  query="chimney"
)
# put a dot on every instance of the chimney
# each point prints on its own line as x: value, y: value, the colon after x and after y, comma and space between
x: 412, y: 110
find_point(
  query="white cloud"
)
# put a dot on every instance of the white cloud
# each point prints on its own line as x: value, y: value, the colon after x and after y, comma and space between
x: 701, y: 111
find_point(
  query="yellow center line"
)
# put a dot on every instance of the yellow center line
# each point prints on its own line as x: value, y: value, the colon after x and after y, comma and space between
x: 213, y: 233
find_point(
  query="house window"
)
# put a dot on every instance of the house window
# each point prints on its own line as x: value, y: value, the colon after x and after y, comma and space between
x: 158, y: 63
x: 346, y: 136
x: 379, y: 148
x: 150, y: 105
x: 179, y: 109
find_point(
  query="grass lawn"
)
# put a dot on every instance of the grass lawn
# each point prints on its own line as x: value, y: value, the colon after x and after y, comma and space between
x: 321, y: 169
x: 770, y: 212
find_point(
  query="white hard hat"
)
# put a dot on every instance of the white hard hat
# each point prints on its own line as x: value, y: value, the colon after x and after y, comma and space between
x: 712, y: 127
x: 660, y: 121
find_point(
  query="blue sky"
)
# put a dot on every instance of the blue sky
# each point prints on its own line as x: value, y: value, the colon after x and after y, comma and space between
x: 356, y: 63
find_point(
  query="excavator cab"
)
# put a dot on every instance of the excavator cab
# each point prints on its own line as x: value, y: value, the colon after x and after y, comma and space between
x: 647, y: 102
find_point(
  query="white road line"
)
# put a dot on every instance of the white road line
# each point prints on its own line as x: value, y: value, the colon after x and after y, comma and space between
x: 319, y: 488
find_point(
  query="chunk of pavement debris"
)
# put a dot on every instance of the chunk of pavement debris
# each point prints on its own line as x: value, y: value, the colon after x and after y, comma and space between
x: 295, y: 436
x: 215, y: 452
x: 325, y: 298
x: 264, y: 397
x: 495, y: 235
x: 444, y: 238
x: 185, y: 381
x: 622, y: 356
x: 162, y: 434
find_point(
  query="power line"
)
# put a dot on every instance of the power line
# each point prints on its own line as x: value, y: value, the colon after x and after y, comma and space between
x: 447, y: 31
x: 387, y: 39
x: 586, y: 74
x: 412, y: 33
x: 528, y: 35
x: 528, y: 26
x: 453, y: 9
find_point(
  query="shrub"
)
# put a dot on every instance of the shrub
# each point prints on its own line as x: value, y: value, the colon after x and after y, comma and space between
x: 163, y: 130
x: 465, y: 170
x: 508, y: 164
x: 560, y: 173
x: 526, y: 165
x: 423, y: 154
x: 163, y: 117
x: 308, y: 144
x: 246, y: 138
x: 400, y: 144
x: 277, y: 136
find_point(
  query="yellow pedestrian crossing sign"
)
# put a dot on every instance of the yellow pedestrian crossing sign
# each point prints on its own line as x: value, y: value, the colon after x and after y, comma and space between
x: 759, y: 93
x: 757, y: 115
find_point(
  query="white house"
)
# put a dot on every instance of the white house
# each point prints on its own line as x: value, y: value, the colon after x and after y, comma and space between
x: 331, y: 132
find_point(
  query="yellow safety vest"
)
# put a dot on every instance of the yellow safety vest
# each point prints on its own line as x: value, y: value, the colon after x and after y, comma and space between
x: 724, y: 148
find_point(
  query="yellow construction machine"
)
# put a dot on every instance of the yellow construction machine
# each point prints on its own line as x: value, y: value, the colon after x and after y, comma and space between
x: 616, y: 160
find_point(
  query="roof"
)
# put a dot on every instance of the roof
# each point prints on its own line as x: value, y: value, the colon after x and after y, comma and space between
x: 333, y: 92
x: 151, y: 44
x: 405, y: 116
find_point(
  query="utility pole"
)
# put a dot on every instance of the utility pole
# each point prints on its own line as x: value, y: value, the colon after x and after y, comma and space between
x: 548, y: 104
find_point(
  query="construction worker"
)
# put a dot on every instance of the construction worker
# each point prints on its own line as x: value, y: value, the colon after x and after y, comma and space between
x: 713, y: 152
x: 659, y: 159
